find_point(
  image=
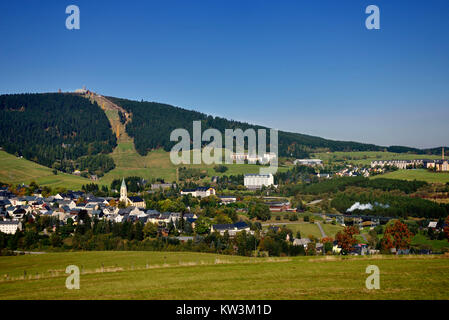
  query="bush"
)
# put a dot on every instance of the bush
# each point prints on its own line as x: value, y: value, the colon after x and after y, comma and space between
x: 220, y: 168
x: 293, y: 217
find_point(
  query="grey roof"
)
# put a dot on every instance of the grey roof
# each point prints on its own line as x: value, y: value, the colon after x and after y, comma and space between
x: 9, y: 222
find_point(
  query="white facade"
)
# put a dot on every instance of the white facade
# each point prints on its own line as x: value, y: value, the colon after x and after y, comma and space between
x: 10, y: 227
x: 308, y: 162
x: 200, y: 192
x: 257, y: 181
x: 265, y: 158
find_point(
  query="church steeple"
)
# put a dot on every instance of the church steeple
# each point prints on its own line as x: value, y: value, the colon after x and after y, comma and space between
x: 123, y: 192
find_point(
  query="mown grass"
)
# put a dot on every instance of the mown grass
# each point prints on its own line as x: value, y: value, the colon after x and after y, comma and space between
x: 305, y: 228
x: 417, y: 174
x: 225, y: 277
x: 331, y: 230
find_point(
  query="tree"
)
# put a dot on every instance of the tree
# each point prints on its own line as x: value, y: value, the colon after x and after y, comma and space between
x: 202, y: 225
x: 397, y: 236
x: 150, y: 230
x: 260, y: 211
x: 346, y: 238
x: 55, y: 240
x: 311, y: 249
x: 121, y: 205
x: 221, y: 218
x: 138, y: 231
x: 446, y: 228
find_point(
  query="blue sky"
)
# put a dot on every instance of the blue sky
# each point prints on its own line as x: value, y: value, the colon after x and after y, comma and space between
x: 303, y: 66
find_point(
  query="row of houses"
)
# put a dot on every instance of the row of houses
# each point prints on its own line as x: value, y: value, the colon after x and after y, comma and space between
x: 400, y: 164
x: 439, y: 165
x: 253, y: 158
x: 308, y: 162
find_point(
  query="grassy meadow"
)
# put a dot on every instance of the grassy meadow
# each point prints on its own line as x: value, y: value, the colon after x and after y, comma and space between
x: 365, y: 157
x: 307, y: 229
x: 15, y: 170
x: 417, y: 174
x: 185, y: 276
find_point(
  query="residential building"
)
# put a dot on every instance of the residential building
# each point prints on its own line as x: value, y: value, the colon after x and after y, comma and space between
x: 257, y: 181
x: 232, y: 229
x: 228, y: 199
x: 201, y: 192
x: 308, y: 162
x: 10, y: 227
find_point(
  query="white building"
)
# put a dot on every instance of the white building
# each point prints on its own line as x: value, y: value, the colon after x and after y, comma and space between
x: 253, y: 158
x: 257, y: 181
x: 400, y: 164
x: 308, y: 162
x: 200, y: 192
x: 10, y: 227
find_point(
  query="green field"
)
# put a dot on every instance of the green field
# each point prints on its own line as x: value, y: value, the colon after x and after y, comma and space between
x: 331, y: 230
x: 126, y: 275
x: 417, y: 174
x: 436, y: 245
x: 365, y: 157
x: 15, y: 170
x: 305, y: 228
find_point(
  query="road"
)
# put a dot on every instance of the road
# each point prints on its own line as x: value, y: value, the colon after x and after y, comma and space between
x: 323, y: 235
x: 29, y: 252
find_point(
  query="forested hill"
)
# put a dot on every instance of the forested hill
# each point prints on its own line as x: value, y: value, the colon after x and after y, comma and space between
x: 53, y: 128
x: 153, y: 122
x: 67, y: 131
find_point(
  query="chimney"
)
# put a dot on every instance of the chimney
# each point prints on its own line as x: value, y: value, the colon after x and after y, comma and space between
x: 442, y: 153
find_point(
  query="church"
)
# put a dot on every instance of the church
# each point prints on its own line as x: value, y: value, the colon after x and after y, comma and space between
x: 130, y: 201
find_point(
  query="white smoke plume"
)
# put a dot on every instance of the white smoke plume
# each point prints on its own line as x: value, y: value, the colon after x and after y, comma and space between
x: 367, y: 206
x: 359, y: 206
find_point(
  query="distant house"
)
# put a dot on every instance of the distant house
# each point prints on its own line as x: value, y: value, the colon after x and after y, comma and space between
x: 324, y: 175
x: 228, y: 199
x: 279, y: 206
x: 241, y: 157
x: 308, y: 162
x: 10, y: 227
x: 232, y: 229
x: 432, y: 224
x: 257, y: 181
x: 200, y: 192
x: 301, y: 242
x: 163, y: 186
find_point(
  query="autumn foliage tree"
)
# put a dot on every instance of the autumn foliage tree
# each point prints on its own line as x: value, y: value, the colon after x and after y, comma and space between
x: 346, y: 238
x: 397, y: 236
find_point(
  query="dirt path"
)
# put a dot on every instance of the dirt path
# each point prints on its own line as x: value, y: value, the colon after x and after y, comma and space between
x: 112, y: 111
x: 323, y: 234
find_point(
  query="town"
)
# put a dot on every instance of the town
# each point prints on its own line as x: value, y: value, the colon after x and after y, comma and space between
x: 264, y: 220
